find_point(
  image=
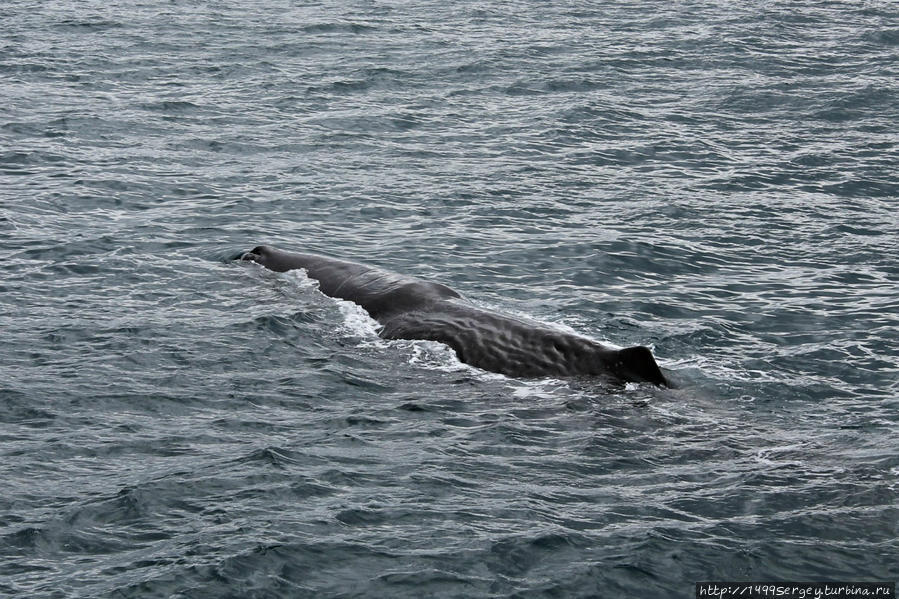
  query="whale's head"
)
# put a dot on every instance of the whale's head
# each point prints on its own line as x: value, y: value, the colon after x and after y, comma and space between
x: 277, y: 260
x: 255, y: 255
x: 263, y: 255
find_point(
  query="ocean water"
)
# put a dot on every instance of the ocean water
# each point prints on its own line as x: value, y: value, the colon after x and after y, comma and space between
x: 717, y: 180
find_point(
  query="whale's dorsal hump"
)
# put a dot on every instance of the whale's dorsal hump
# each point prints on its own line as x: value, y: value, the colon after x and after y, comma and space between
x: 637, y: 364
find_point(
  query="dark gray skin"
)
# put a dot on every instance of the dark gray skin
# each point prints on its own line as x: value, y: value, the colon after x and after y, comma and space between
x: 410, y: 308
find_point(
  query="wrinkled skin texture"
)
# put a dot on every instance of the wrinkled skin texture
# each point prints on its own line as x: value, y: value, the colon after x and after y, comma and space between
x: 411, y: 308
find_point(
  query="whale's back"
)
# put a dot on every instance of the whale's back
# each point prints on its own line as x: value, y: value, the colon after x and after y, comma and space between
x: 412, y: 308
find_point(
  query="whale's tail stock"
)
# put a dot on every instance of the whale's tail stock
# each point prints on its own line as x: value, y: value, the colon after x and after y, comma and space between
x: 638, y: 364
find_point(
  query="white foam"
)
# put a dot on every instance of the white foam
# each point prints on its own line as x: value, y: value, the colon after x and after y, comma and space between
x: 299, y: 277
x: 538, y: 389
x: 434, y: 355
x: 357, y: 322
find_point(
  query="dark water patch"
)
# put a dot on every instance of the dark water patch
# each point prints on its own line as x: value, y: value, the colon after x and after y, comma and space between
x: 61, y: 539
x: 172, y: 106
x: 17, y: 408
x: 27, y: 163
x: 15, y: 568
x: 24, y: 67
x: 282, y: 325
x: 862, y: 189
x: 515, y: 557
x: 885, y: 37
x: 354, y: 28
x: 98, y: 25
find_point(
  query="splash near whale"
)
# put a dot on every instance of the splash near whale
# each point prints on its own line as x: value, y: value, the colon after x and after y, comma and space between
x: 412, y: 308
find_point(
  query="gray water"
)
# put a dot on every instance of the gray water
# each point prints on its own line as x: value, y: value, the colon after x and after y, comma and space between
x: 716, y: 180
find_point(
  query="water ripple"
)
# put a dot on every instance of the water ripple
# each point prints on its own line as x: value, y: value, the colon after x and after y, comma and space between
x: 714, y: 180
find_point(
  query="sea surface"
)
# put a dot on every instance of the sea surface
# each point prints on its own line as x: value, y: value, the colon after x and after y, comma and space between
x: 717, y: 180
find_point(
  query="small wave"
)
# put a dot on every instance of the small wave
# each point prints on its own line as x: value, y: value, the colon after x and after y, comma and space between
x: 354, y: 28
x: 171, y: 106
x: 82, y: 26
x: 272, y: 456
x: 24, y: 163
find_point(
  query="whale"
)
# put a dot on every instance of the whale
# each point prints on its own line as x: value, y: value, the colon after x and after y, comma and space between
x: 407, y: 307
